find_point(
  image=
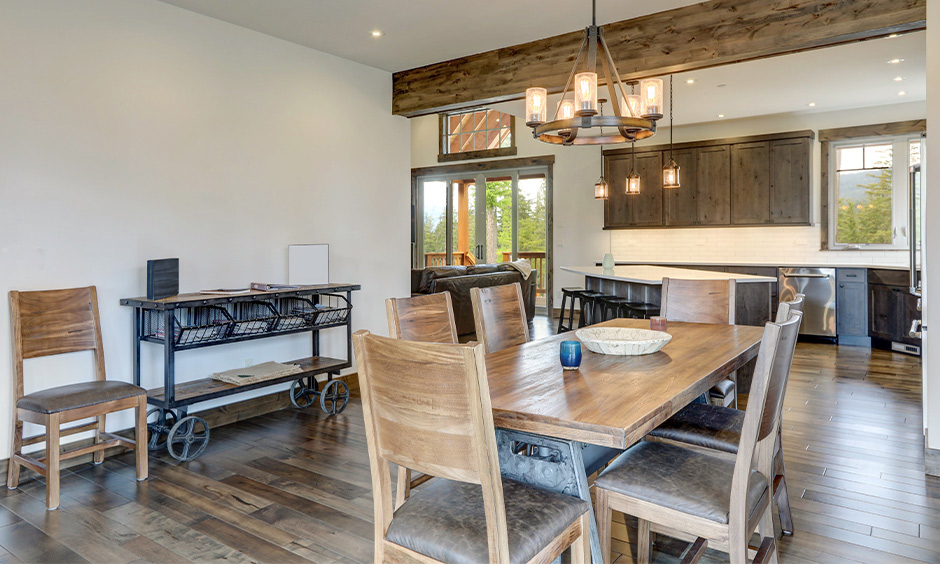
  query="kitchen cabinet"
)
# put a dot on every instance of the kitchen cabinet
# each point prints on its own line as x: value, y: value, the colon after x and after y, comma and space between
x: 892, y: 308
x: 744, y: 181
x: 852, y: 306
x: 634, y: 210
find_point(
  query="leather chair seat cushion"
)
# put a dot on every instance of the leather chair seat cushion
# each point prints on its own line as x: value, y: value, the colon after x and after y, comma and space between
x: 680, y: 479
x: 73, y: 396
x: 444, y: 520
x: 723, y: 389
x: 704, y: 425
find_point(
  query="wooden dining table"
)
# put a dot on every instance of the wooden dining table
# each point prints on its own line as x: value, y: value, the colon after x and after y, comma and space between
x: 556, y: 427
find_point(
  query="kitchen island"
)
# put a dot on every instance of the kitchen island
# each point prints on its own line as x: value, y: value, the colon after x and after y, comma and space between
x: 643, y: 283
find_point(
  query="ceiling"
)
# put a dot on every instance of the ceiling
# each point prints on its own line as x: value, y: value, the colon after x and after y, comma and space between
x: 417, y: 32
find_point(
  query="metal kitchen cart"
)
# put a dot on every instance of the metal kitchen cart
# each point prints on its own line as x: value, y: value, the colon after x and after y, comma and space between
x: 192, y: 321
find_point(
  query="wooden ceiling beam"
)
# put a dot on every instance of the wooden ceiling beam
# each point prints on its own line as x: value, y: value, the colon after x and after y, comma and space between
x: 713, y: 33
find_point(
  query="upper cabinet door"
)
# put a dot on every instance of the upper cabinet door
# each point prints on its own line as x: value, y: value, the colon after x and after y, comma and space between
x: 790, y: 182
x: 713, y: 186
x: 750, y: 183
x: 679, y: 203
x: 648, y: 204
x: 617, y: 211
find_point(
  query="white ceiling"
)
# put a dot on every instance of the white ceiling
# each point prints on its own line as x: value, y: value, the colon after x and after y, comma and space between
x: 417, y: 32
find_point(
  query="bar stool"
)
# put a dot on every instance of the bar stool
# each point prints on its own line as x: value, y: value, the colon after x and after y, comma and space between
x: 598, y: 311
x: 612, y: 307
x: 588, y: 304
x: 567, y: 294
x: 639, y: 310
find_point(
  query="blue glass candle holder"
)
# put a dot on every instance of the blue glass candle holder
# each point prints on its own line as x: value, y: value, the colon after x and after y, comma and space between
x: 570, y: 355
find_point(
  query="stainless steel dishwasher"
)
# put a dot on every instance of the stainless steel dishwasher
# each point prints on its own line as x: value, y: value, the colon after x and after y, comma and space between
x: 819, y: 305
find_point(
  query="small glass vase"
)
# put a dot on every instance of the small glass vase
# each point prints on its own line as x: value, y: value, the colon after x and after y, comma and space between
x: 608, y: 262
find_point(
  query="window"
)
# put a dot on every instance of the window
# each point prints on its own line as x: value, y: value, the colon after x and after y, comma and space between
x: 475, y: 134
x: 869, y: 191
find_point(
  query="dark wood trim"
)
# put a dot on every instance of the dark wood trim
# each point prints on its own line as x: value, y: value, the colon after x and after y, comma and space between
x: 522, y: 162
x: 808, y: 133
x: 485, y: 154
x: 713, y: 33
x: 826, y: 136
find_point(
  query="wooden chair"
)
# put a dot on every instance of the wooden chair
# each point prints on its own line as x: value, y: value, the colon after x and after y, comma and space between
x: 688, y: 493
x: 429, y: 319
x: 55, y: 322
x: 719, y: 429
x: 499, y: 316
x: 427, y: 407
x: 703, y: 301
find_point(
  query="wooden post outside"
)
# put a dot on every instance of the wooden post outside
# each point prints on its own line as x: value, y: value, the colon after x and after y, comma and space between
x: 463, y: 218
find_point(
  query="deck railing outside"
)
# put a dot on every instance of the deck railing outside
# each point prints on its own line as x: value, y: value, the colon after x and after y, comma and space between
x: 537, y: 260
x: 440, y: 259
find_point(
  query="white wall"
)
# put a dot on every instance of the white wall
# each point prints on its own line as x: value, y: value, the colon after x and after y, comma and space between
x: 138, y: 130
x: 931, y: 200
x: 580, y: 239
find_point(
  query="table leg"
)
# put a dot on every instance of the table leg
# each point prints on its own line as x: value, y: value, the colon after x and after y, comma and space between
x: 554, y: 464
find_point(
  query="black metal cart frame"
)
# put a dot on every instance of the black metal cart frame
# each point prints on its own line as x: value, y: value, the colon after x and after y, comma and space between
x: 306, y: 309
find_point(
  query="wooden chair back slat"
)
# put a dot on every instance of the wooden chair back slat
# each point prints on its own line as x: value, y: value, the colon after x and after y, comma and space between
x: 52, y: 322
x: 698, y: 301
x: 780, y: 373
x: 427, y: 408
x: 499, y: 316
x: 427, y: 318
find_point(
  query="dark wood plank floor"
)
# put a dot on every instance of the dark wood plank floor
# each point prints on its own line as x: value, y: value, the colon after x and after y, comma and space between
x: 294, y: 486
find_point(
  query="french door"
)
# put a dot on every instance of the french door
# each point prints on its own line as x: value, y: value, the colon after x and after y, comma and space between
x: 484, y: 218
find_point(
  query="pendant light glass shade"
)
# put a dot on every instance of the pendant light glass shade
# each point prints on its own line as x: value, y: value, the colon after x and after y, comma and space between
x: 633, y: 183
x: 601, y: 189
x: 671, y: 175
x: 632, y: 105
x: 565, y: 111
x: 536, y: 106
x: 585, y: 93
x: 651, y: 95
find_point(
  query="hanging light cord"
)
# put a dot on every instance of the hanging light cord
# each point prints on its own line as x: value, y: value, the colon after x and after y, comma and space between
x: 671, y: 127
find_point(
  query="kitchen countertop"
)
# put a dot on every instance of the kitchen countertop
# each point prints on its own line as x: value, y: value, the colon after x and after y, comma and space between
x: 766, y: 265
x: 653, y: 275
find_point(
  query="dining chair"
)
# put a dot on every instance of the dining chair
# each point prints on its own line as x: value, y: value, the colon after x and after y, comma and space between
x: 499, y: 316
x: 53, y: 322
x: 427, y: 407
x: 428, y: 318
x: 719, y: 429
x: 686, y: 492
x: 703, y: 301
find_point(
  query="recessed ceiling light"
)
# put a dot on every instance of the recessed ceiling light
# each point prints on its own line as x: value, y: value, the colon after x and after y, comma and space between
x: 902, y: 93
x: 812, y: 104
x: 377, y: 33
x: 892, y: 36
x: 895, y: 61
x: 721, y: 115
x: 690, y: 81
x: 898, y: 78
x: 722, y: 85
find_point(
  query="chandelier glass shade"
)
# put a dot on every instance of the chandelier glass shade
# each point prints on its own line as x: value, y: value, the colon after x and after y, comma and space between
x: 576, y: 118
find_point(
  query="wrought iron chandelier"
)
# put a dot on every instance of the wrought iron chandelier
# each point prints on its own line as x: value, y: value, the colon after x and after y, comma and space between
x: 634, y: 118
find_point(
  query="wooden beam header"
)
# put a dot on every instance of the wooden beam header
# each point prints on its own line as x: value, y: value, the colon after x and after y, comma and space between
x: 713, y: 33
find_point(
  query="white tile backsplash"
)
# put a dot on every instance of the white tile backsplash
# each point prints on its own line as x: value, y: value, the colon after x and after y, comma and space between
x: 795, y: 245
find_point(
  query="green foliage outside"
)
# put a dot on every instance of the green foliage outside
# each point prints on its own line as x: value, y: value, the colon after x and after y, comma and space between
x: 498, y: 222
x: 868, y: 221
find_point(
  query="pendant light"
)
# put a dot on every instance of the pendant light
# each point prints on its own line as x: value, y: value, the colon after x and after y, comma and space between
x: 633, y: 179
x: 671, y: 170
x: 601, y: 188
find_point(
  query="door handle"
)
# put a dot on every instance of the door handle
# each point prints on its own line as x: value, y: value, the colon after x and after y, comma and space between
x: 806, y: 276
x: 915, y: 332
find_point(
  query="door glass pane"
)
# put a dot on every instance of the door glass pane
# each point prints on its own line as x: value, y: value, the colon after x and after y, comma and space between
x: 464, y: 221
x: 498, y: 220
x: 434, y: 193
x: 532, y: 229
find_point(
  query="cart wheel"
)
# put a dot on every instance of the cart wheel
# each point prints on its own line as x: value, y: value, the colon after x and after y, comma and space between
x: 159, y: 422
x: 334, y: 397
x: 188, y: 438
x: 301, y: 395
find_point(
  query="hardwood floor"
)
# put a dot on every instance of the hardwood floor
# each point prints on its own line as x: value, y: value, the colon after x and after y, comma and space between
x: 294, y: 486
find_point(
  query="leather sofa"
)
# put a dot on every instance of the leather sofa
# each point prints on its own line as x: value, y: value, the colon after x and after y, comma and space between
x: 459, y: 279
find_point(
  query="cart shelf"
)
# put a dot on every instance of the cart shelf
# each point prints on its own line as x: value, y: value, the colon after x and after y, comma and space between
x: 191, y: 321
